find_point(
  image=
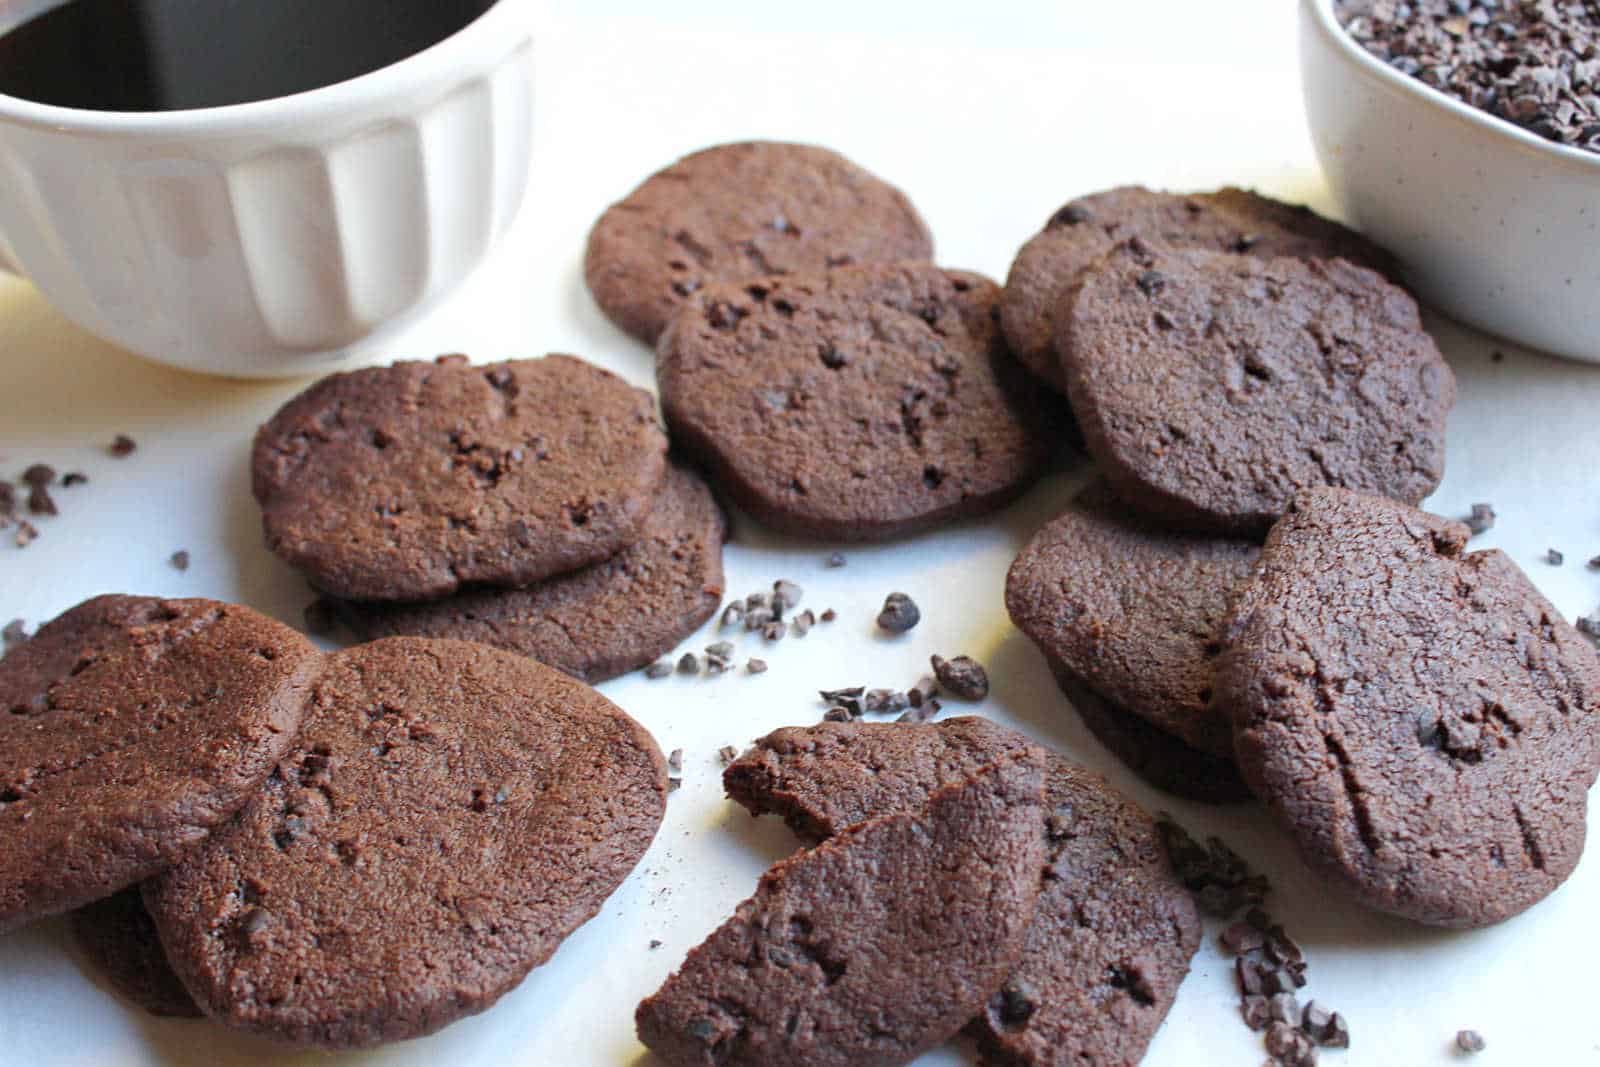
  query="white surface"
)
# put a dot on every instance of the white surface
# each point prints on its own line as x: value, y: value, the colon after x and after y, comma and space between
x: 988, y: 141
x: 271, y: 238
x: 1498, y: 226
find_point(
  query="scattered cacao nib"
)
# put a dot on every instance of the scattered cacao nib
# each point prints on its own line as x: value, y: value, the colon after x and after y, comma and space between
x: 727, y: 754
x: 886, y: 701
x: 1338, y: 1033
x: 828, y: 614
x: 1254, y: 1009
x: 786, y: 593
x: 774, y: 631
x: 654, y: 944
x: 122, y: 446
x: 659, y: 669
x: 675, y: 761
x: 1482, y: 519
x: 900, y: 613
x: 674, y: 784
x: 715, y: 666
x: 1554, y: 558
x: 689, y: 663
x: 837, y: 714
x: 1470, y: 1041
x: 962, y: 677
x: 1594, y: 564
x: 756, y: 666
x: 179, y: 560
x: 74, y: 478
x: 40, y: 502
x: 1241, y: 937
x: 1588, y: 625
x: 321, y: 617
x: 917, y: 716
x: 801, y: 624
x: 922, y: 692
x: 39, y: 474
x: 720, y: 650
x: 733, y: 614
x: 839, y: 696
x: 13, y: 634
x: 1284, y: 1008
x: 1316, y: 1021
x: 27, y: 533
x: 835, y: 561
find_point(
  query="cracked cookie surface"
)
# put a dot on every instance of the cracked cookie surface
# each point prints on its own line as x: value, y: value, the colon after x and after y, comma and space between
x: 1422, y: 720
x: 596, y: 623
x: 745, y: 210
x: 871, y: 948
x: 859, y: 405
x: 130, y: 728
x: 1211, y: 387
x: 450, y: 814
x: 406, y: 482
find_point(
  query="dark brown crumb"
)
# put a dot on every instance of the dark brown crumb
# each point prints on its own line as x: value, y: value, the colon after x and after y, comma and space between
x: 727, y: 754
x: 39, y: 474
x: 1594, y: 564
x: 756, y: 666
x: 122, y: 446
x: 654, y: 944
x: 321, y: 618
x: 1338, y: 1033
x: 835, y: 560
x: 1470, y: 1041
x: 27, y: 533
x: 659, y: 669
x: 74, y: 478
x: 1482, y: 518
x: 1554, y: 558
x: 828, y: 614
x: 922, y: 692
x: 802, y: 623
x: 180, y: 559
x: 1254, y: 1010
x: 40, y: 502
x: 1241, y: 937
x: 837, y: 714
x: 962, y: 677
x: 900, y: 613
x: 886, y: 701
x: 689, y: 663
x: 13, y: 634
x: 674, y: 784
x: 774, y: 631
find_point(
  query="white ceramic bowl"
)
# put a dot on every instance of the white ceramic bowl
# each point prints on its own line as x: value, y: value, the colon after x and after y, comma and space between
x: 272, y: 239
x: 1496, y: 226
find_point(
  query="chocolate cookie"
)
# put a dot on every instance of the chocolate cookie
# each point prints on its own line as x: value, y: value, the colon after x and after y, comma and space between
x: 595, y: 623
x: 1229, y: 220
x: 1418, y: 716
x: 870, y: 949
x: 135, y: 727
x: 1132, y: 609
x: 120, y: 941
x: 736, y: 211
x: 404, y: 482
x: 863, y: 404
x: 1114, y: 930
x: 1156, y: 756
x: 451, y: 814
x: 1214, y: 387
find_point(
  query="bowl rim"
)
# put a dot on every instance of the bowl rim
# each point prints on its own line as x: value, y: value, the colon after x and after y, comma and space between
x: 1321, y: 13
x: 496, y: 30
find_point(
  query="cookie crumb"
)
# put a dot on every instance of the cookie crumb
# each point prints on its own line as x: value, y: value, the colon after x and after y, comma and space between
x: 689, y: 663
x: 900, y: 614
x: 756, y: 666
x: 39, y: 474
x: 837, y: 714
x: 40, y: 502
x: 962, y: 677
x: 659, y: 669
x: 828, y: 614
x: 1482, y: 519
x: 1554, y: 558
x: 835, y: 561
x: 727, y: 754
x: 74, y: 478
x: 179, y: 560
x: 1470, y: 1041
x: 801, y: 624
x: 122, y: 446
x: 786, y: 593
x: 27, y: 533
x: 654, y: 944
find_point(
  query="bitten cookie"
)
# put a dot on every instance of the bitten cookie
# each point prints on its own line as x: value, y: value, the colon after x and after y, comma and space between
x: 1421, y: 719
x: 451, y: 814
x: 736, y: 211
x: 1229, y: 220
x: 873, y: 947
x: 864, y: 404
x: 1133, y: 610
x: 130, y: 728
x: 405, y: 482
x: 121, y: 943
x: 596, y: 623
x: 1212, y: 388
x: 1114, y: 930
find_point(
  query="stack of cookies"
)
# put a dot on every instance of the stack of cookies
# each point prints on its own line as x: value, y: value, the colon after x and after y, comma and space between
x: 333, y: 851
x: 528, y: 505
x: 1420, y: 717
x: 832, y: 381
x: 962, y: 879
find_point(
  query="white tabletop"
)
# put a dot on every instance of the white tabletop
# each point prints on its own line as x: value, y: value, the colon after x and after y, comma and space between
x: 990, y: 115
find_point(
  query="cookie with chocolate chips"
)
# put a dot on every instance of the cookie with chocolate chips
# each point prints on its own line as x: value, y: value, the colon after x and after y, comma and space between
x: 1212, y: 388
x: 596, y: 623
x: 450, y: 814
x: 1418, y: 716
x: 863, y: 404
x: 406, y: 482
x: 1229, y: 220
x: 871, y: 948
x: 1114, y: 930
x: 130, y: 729
x: 1132, y: 610
x: 746, y: 210
x: 121, y: 943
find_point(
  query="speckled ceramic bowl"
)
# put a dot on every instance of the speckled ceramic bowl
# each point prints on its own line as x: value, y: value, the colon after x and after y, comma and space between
x: 1495, y: 226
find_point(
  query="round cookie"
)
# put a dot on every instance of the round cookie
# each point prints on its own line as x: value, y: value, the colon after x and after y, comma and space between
x: 596, y: 623
x: 451, y: 814
x: 1211, y: 388
x: 121, y: 943
x: 130, y: 728
x: 1229, y: 220
x: 746, y: 210
x: 1133, y: 609
x: 1420, y: 718
x: 844, y: 958
x: 1156, y: 756
x: 1114, y: 930
x: 859, y: 405
x: 405, y: 482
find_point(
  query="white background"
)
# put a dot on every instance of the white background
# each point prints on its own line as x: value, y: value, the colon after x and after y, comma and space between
x: 990, y: 115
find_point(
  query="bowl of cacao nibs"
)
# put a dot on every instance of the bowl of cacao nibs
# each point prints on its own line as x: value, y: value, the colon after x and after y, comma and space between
x: 1464, y: 135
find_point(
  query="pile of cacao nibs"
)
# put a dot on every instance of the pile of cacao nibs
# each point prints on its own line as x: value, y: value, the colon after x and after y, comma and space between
x: 1532, y: 62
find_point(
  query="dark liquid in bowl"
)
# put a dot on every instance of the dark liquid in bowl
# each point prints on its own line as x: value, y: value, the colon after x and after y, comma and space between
x: 167, y: 55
